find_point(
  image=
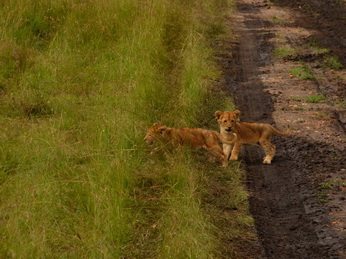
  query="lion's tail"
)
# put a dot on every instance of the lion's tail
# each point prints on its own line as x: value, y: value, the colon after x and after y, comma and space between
x: 281, y: 133
x: 226, y: 141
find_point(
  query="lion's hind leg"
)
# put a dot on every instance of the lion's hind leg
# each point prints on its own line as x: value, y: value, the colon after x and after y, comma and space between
x: 269, y: 150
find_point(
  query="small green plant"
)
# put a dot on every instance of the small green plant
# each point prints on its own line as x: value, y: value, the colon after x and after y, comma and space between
x: 306, y: 6
x: 320, y: 193
x: 341, y: 104
x: 320, y: 50
x: 321, y: 196
x: 333, y: 62
x: 296, y: 98
x: 322, y: 115
x: 302, y: 72
x: 315, y: 46
x: 283, y: 52
x: 327, y: 185
x: 277, y: 20
x: 321, y: 200
x: 340, y: 182
x: 315, y: 98
x: 330, y: 184
x: 311, y: 98
x: 314, y: 42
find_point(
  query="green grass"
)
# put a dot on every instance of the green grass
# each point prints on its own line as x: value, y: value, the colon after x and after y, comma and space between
x: 332, y: 62
x: 80, y: 83
x: 311, y: 98
x: 325, y: 188
x: 302, y: 72
x: 321, y: 196
x: 278, y: 21
x: 322, y: 115
x: 315, y: 98
x: 316, y: 47
x: 341, y: 103
x: 283, y: 52
x: 330, y: 184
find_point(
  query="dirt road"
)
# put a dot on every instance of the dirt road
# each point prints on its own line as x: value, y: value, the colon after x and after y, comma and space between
x: 298, y: 202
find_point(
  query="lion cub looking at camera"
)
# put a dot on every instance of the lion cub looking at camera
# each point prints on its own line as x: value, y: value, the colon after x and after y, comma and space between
x: 194, y: 137
x: 247, y: 133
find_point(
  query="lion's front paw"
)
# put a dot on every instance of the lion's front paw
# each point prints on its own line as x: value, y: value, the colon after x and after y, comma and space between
x: 267, y: 161
x: 233, y: 158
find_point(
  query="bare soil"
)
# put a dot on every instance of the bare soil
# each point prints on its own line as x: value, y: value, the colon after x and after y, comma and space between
x: 299, y: 201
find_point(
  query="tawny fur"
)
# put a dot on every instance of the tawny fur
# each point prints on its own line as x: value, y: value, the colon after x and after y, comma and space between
x: 247, y: 133
x: 193, y: 137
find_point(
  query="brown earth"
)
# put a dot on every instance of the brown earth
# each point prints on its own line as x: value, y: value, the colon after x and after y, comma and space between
x: 299, y: 201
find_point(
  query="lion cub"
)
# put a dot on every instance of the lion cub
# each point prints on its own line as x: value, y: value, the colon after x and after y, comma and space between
x: 247, y: 133
x: 194, y: 137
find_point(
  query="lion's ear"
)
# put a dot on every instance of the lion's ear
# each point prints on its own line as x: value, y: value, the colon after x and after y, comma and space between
x: 162, y: 129
x: 237, y: 114
x: 217, y: 114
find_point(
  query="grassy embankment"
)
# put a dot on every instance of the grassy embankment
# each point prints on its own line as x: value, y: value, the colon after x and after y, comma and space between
x: 80, y: 82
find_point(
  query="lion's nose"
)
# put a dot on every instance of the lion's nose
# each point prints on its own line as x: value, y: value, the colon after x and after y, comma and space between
x: 149, y: 142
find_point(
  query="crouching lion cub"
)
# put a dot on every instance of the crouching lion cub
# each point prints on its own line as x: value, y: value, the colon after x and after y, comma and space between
x: 193, y: 137
x: 247, y: 133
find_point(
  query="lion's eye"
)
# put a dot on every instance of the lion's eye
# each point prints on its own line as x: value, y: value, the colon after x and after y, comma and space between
x: 232, y: 120
x: 225, y: 121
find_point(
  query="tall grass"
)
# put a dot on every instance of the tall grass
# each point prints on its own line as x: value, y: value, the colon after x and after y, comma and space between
x: 80, y: 82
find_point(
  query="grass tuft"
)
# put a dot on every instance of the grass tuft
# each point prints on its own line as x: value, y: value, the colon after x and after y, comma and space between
x: 333, y: 62
x: 302, y: 72
x: 283, y: 52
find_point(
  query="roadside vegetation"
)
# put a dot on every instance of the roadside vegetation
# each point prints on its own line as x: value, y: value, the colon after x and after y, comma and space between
x: 80, y: 83
x: 283, y: 52
x: 311, y: 98
x: 302, y: 71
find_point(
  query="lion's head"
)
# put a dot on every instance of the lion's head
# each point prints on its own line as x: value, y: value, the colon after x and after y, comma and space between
x: 156, y: 133
x: 227, y: 120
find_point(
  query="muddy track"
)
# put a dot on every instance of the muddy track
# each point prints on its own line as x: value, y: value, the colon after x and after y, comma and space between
x: 290, y: 222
